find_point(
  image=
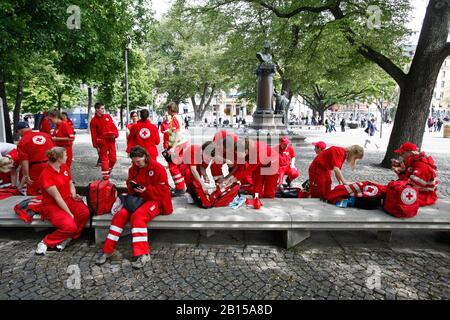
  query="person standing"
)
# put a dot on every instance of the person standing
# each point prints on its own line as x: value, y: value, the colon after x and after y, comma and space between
x: 134, y: 119
x: 370, y: 130
x: 176, y: 144
x: 104, y: 134
x: 32, y: 149
x: 61, y: 205
x: 159, y: 121
x: 343, y: 123
x: 45, y: 126
x: 63, y: 135
x: 145, y: 134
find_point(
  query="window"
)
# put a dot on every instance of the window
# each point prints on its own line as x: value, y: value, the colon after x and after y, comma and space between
x: 443, y: 84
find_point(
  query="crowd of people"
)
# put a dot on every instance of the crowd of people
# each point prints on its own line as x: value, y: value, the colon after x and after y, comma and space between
x: 41, y: 163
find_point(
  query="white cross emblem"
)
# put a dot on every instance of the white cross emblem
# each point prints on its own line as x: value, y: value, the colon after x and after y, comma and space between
x: 409, y: 196
x: 66, y: 173
x: 39, y: 140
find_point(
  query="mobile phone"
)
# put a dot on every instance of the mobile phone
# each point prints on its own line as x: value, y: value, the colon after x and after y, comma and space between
x: 135, y: 185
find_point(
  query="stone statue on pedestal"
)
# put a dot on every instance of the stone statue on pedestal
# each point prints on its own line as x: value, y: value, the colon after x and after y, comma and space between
x: 281, y: 102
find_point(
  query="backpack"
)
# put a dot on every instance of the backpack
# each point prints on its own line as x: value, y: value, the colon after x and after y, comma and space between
x: 222, y: 198
x: 101, y: 196
x: 27, y: 208
x: 402, y: 199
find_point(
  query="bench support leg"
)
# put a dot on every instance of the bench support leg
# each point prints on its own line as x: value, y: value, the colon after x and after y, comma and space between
x: 207, y: 233
x: 100, y: 234
x: 384, y: 235
x: 294, y: 237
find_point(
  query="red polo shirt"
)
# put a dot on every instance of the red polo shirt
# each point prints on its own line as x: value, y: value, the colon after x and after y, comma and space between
x: 330, y: 158
x: 50, y: 177
x: 63, y: 130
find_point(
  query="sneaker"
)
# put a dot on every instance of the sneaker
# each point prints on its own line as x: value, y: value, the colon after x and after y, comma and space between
x: 61, y: 246
x: 41, y: 248
x: 140, y: 261
x: 177, y: 193
x: 102, y: 258
x: 189, y: 198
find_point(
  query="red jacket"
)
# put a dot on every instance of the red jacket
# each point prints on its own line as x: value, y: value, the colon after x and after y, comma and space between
x: 154, y: 179
x: 46, y: 126
x: 421, y: 172
x: 33, y: 146
x: 63, y: 130
x: 103, y: 130
x: 285, y: 155
x: 144, y: 134
x: 165, y: 126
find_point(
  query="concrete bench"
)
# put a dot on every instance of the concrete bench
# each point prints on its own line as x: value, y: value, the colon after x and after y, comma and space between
x: 296, y: 217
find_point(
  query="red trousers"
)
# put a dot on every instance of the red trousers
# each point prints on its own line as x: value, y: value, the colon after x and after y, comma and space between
x: 291, y: 173
x: 66, y: 227
x: 319, y: 182
x: 34, y: 189
x: 107, y: 156
x: 69, y: 155
x: 194, y: 188
x: 264, y: 185
x: 176, y: 167
x: 139, y: 220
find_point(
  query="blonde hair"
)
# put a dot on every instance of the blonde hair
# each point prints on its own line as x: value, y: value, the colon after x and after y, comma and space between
x: 356, y: 150
x: 172, y: 107
x: 6, y: 164
x: 55, y: 153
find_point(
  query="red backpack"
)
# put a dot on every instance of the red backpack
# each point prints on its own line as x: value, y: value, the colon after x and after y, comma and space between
x: 402, y: 199
x: 101, y: 196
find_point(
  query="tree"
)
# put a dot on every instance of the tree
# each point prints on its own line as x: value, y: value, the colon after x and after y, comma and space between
x: 377, y: 46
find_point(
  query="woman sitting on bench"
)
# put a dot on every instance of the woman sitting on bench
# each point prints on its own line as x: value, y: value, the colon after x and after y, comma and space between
x: 147, y: 179
x: 61, y: 205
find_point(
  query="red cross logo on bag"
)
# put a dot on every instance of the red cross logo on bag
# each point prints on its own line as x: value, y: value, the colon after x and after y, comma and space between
x: 370, y: 191
x: 39, y: 140
x: 409, y: 196
x: 144, y: 133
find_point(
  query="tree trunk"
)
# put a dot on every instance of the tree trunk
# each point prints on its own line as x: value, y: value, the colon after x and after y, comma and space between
x: 17, y: 106
x: 321, y: 116
x: 89, y: 107
x: 9, y: 137
x: 417, y: 92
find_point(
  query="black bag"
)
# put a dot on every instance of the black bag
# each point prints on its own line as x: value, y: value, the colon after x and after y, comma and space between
x: 305, y: 186
x: 130, y: 202
x: 287, y: 193
x: 167, y: 156
x: 367, y: 130
x: 368, y: 203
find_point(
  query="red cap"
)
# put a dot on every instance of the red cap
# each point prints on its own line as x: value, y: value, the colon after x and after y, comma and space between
x: 320, y: 144
x: 407, y: 146
x: 284, y: 140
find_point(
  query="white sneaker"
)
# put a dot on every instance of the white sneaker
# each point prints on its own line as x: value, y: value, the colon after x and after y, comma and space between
x: 189, y: 198
x: 41, y: 248
x: 61, y: 246
x: 102, y: 258
x: 140, y: 261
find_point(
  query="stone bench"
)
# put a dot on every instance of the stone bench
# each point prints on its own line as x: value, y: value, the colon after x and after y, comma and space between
x: 296, y: 217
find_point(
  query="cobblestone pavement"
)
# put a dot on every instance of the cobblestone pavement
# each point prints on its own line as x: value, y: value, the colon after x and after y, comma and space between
x: 225, y: 272
x: 184, y: 265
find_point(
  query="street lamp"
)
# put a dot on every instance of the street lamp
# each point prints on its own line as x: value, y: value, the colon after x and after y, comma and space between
x: 126, y: 83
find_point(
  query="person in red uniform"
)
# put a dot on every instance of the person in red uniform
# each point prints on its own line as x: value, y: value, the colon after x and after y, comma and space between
x: 287, y: 161
x: 8, y: 169
x: 165, y: 126
x: 417, y: 168
x: 261, y: 161
x: 146, y: 179
x: 144, y: 134
x: 61, y: 205
x: 46, y: 125
x: 176, y: 144
x: 32, y: 149
x: 319, y: 146
x: 65, y: 117
x: 104, y: 134
x: 328, y: 161
x: 134, y: 119
x: 63, y: 135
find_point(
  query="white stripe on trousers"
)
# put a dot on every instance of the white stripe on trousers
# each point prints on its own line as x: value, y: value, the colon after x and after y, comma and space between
x: 116, y: 229
x: 112, y: 237
x: 139, y: 230
x: 140, y: 239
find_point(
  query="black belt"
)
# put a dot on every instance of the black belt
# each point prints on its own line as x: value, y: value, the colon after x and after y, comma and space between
x: 38, y: 162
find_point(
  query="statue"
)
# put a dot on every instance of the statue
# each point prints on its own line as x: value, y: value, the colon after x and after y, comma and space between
x: 266, y: 66
x: 281, y: 102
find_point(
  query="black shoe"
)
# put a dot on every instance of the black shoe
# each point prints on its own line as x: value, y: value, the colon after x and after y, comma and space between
x: 177, y: 193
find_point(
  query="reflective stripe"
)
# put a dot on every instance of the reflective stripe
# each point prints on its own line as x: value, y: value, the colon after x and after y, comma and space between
x: 349, y: 190
x: 139, y: 230
x: 358, y: 189
x: 180, y: 180
x: 116, y: 229
x: 140, y: 239
x: 177, y: 176
x: 421, y: 181
x: 112, y: 237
